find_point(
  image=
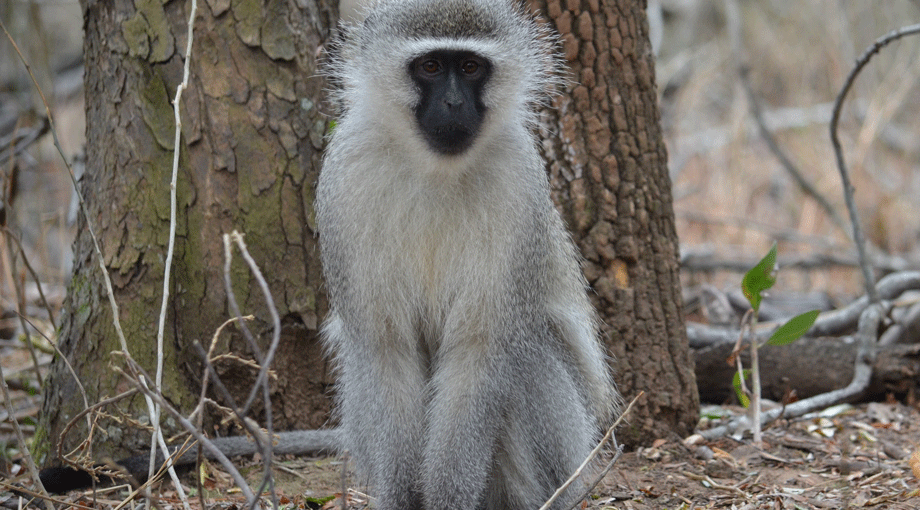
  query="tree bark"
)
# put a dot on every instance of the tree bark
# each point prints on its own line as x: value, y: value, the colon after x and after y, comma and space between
x: 252, y: 133
x: 608, y: 168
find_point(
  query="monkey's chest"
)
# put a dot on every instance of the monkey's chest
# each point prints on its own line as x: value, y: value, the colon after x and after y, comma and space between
x: 448, y: 272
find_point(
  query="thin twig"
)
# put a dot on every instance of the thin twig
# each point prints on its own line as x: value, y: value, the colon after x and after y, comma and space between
x: 848, y: 190
x: 20, y: 140
x: 193, y: 430
x: 38, y: 284
x: 226, y: 395
x: 804, y: 184
x: 618, y: 452
x: 21, y: 440
x: 70, y: 424
x: 57, y: 352
x: 21, y: 313
x: 262, y: 379
x: 177, y: 109
x: 234, y: 306
x: 199, y: 421
x: 591, y: 456
x: 272, y: 310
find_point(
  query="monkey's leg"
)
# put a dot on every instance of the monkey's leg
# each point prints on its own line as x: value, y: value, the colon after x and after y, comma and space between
x: 548, y: 432
x: 465, y: 415
x: 507, y: 426
x: 382, y: 390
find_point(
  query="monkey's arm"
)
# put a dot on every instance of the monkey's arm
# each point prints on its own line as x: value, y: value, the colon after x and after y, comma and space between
x: 297, y: 442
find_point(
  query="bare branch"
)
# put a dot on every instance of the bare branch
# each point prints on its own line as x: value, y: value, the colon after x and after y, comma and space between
x: 828, y: 323
x: 38, y: 283
x: 848, y: 190
x: 177, y: 148
x: 807, y: 187
x: 193, y: 430
x: 262, y: 379
x: 609, y: 436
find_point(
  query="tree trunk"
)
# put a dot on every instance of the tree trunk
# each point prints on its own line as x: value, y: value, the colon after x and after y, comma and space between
x: 609, y: 175
x: 250, y: 149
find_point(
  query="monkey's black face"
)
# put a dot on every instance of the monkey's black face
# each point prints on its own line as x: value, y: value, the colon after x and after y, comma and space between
x: 450, y: 110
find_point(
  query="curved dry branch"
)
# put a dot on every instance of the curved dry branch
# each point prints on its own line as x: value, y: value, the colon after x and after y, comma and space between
x: 848, y: 190
x: 832, y: 323
x: 261, y: 382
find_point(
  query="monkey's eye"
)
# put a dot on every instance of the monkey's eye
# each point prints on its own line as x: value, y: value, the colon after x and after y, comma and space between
x: 430, y: 66
x: 470, y: 67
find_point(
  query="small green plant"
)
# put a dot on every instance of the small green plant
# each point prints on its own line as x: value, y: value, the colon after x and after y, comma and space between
x: 759, y: 279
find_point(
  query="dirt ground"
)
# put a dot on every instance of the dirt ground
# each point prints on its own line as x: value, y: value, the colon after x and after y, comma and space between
x: 864, y: 456
x: 860, y: 458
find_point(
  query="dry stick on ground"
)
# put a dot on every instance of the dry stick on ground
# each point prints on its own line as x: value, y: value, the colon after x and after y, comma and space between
x: 832, y: 323
x: 703, y: 259
x: 848, y: 190
x: 787, y: 164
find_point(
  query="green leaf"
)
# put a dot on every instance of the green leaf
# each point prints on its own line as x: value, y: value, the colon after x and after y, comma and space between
x: 317, y: 502
x: 736, y: 382
x: 759, y: 278
x: 793, y: 329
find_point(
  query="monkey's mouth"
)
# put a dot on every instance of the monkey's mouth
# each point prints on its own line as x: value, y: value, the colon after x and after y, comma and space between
x: 451, y: 139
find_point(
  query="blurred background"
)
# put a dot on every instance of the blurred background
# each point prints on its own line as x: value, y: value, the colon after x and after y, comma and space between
x: 716, y: 60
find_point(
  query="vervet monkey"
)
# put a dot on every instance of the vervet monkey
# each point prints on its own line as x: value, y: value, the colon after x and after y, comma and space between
x: 469, y: 368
